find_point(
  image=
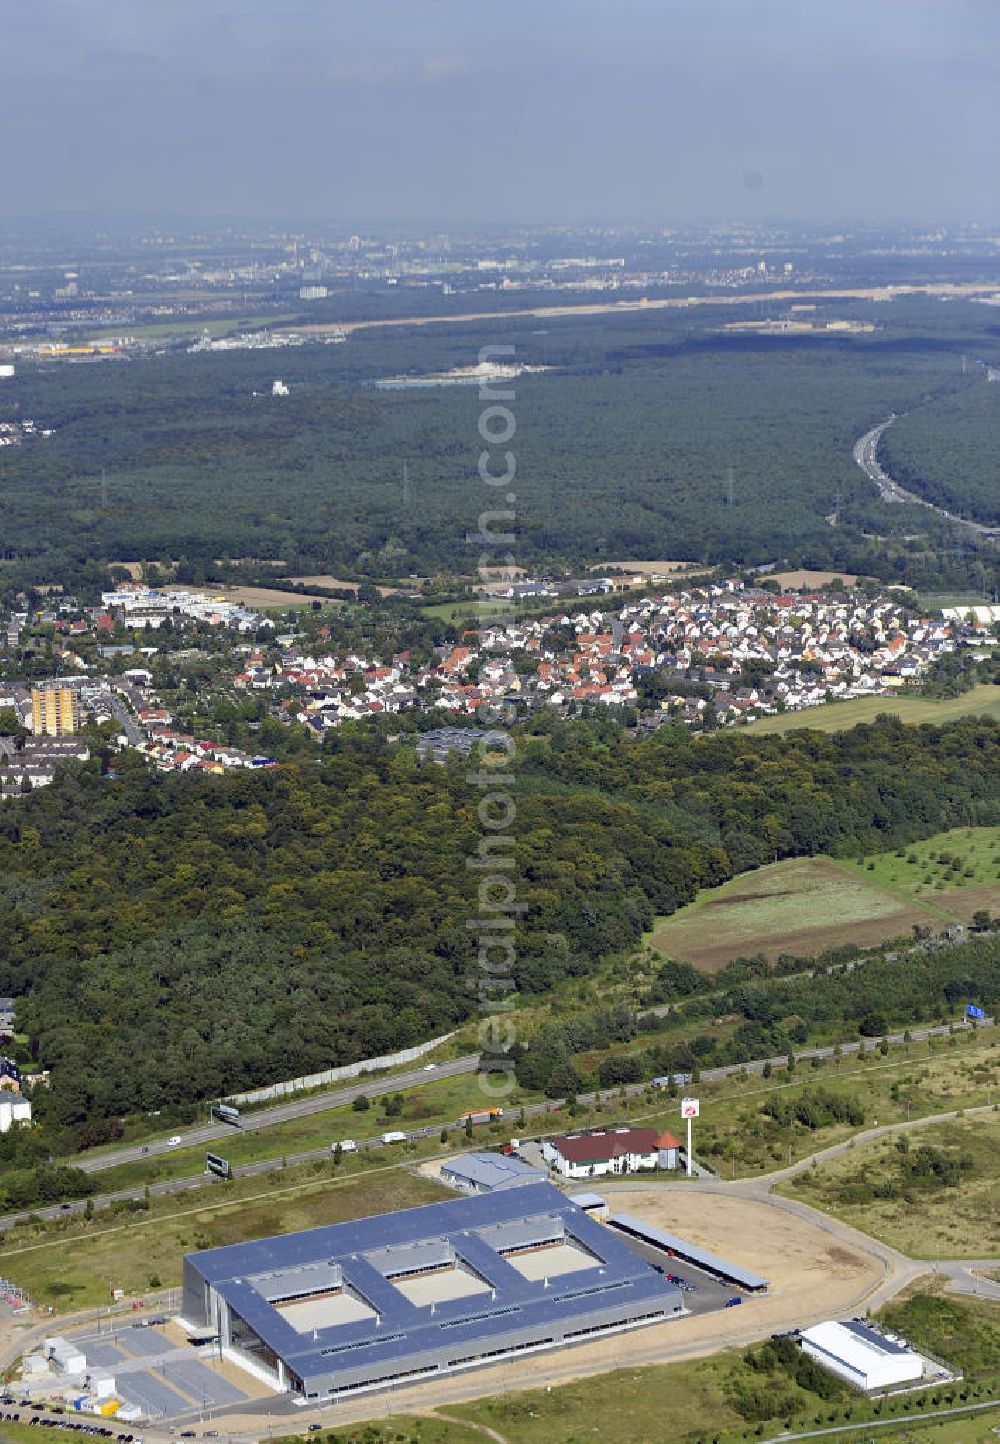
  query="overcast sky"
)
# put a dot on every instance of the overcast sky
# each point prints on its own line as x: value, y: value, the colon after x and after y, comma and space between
x: 459, y: 111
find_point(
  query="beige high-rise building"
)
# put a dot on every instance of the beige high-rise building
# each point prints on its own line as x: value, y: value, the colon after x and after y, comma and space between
x: 55, y: 711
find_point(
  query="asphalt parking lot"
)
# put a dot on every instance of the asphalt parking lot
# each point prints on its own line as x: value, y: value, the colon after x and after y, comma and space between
x: 706, y: 1293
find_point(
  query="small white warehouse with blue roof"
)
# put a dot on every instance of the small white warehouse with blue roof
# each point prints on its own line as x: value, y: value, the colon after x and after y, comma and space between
x: 864, y: 1356
x: 412, y: 1295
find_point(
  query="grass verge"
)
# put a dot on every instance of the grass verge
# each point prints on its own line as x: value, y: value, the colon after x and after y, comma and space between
x: 934, y: 1194
x: 839, y: 716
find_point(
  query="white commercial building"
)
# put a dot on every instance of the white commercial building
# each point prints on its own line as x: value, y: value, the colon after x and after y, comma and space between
x: 861, y: 1355
x: 13, y: 1110
x: 65, y: 1356
x: 610, y: 1150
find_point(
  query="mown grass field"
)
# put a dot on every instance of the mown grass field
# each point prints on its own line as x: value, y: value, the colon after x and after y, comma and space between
x: 799, y: 906
x: 924, y: 1217
x: 839, y: 716
x: 76, y: 1264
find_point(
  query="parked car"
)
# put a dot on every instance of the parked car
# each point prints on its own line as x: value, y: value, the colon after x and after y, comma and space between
x: 731, y: 1303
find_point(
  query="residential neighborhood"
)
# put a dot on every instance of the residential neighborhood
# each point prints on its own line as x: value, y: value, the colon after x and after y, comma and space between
x: 164, y: 666
x: 749, y: 651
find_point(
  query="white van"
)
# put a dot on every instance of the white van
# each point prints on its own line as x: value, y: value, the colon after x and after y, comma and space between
x: 395, y: 1137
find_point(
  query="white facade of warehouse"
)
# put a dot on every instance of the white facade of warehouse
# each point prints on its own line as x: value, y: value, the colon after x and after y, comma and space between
x: 868, y: 1362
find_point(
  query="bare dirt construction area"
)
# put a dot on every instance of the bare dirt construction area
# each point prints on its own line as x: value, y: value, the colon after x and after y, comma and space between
x: 643, y: 569
x: 337, y: 584
x: 260, y: 597
x: 810, y: 1274
x: 802, y: 579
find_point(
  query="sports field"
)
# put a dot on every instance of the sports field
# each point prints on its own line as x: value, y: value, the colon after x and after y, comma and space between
x: 801, y: 906
x: 839, y: 716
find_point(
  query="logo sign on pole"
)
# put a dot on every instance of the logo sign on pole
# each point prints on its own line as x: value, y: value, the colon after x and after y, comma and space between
x: 690, y: 1107
x: 973, y: 1012
x: 219, y: 1166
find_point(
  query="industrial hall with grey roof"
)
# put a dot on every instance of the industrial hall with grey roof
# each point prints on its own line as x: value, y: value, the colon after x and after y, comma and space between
x: 417, y: 1293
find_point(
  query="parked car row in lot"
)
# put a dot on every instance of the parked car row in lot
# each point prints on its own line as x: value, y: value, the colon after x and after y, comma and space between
x: 77, y: 1426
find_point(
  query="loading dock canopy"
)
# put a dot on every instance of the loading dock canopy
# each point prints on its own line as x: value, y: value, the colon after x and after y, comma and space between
x: 690, y: 1252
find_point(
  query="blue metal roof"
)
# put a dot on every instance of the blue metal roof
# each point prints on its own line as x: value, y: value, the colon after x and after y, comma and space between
x: 491, y: 1170
x: 402, y: 1328
x: 691, y: 1251
x: 873, y: 1337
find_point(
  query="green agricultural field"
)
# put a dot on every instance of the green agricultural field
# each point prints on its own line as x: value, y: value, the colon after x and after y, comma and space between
x: 75, y: 1265
x: 839, y: 716
x: 958, y: 871
x: 800, y: 906
x: 932, y: 1194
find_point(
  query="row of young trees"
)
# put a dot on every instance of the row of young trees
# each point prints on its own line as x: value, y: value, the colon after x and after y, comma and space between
x: 779, y: 1012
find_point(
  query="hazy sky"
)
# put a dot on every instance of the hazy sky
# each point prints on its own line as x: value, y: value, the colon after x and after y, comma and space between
x: 451, y: 111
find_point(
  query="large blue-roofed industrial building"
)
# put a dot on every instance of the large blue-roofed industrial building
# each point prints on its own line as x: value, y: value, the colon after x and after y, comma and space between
x: 421, y: 1292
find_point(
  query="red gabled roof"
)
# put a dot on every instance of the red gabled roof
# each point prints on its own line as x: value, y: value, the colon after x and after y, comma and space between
x: 602, y: 1147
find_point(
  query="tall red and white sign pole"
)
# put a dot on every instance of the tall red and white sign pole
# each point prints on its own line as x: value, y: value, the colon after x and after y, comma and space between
x: 690, y: 1108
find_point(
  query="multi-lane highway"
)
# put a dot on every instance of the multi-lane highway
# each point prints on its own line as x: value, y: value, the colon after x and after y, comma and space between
x: 280, y: 1113
x: 396, y: 1084
x: 866, y: 455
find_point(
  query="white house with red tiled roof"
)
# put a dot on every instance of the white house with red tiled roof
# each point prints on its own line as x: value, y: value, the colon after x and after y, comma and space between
x: 610, y: 1150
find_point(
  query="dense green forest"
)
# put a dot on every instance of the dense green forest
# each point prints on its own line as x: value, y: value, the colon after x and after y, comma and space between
x: 946, y: 450
x: 649, y: 435
x: 177, y: 936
